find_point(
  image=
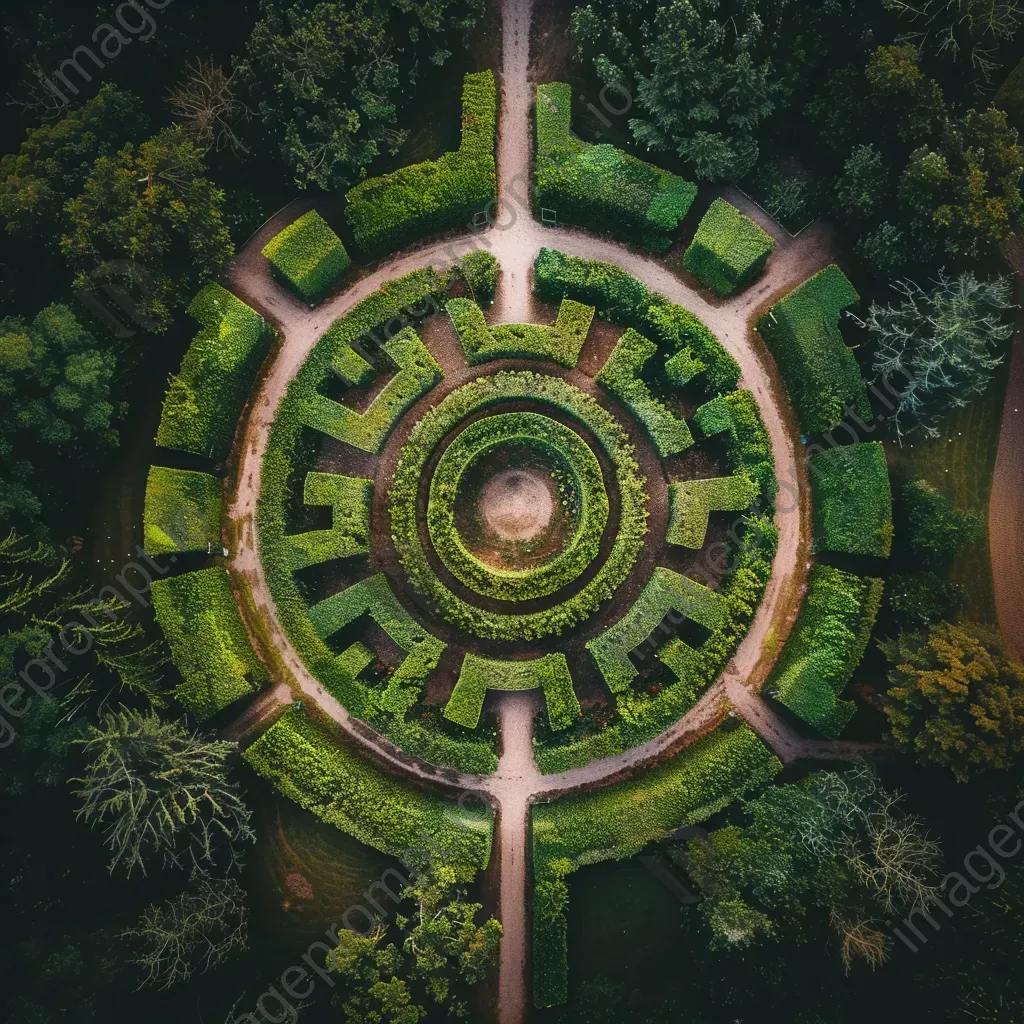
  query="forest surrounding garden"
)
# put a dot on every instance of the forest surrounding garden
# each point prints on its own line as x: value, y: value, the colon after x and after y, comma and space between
x: 372, y: 656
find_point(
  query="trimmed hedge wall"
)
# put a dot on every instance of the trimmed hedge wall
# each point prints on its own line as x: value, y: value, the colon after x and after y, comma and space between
x: 308, y: 256
x: 349, y: 535
x: 820, y: 371
x: 375, y: 598
x: 418, y: 373
x: 748, y: 448
x: 626, y: 301
x: 826, y: 647
x: 600, y: 186
x: 621, y: 376
x: 208, y: 641
x: 619, y: 821
x: 691, y: 503
x: 479, y: 269
x: 549, y: 673
x: 667, y: 591
x: 182, y: 512
x: 205, y: 400
x: 398, y: 303
x: 729, y: 250
x: 437, y: 424
x: 852, y: 500
x: 579, y: 469
x: 305, y: 763
x: 387, y: 212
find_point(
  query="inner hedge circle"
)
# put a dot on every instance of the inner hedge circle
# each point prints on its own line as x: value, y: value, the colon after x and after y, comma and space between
x: 581, y: 488
x: 428, y: 435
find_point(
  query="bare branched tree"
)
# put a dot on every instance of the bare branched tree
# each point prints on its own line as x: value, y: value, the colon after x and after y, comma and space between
x: 859, y: 940
x: 208, y: 108
x: 195, y: 932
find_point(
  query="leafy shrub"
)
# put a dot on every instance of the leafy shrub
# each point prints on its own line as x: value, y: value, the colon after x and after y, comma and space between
x: 418, y: 373
x: 308, y: 255
x: 934, y: 528
x: 691, y: 503
x: 374, y: 597
x: 619, y: 821
x: 820, y: 371
x: 482, y: 343
x: 205, y: 400
x: 826, y: 647
x: 182, y: 512
x: 349, y: 535
x: 435, y: 426
x: 748, y: 446
x: 666, y: 592
x: 304, y: 763
x: 422, y: 199
x: 601, y: 186
x: 549, y: 673
x: 208, y: 641
x: 626, y: 301
x: 581, y: 471
x: 729, y: 250
x: 479, y: 269
x: 852, y: 500
x: 621, y: 376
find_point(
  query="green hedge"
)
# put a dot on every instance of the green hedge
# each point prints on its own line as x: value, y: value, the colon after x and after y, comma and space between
x: 205, y: 400
x: 349, y: 535
x: 626, y: 301
x: 600, y: 186
x: 583, y: 493
x: 182, y: 512
x: 401, y: 301
x: 621, y: 376
x: 437, y: 424
x: 644, y: 715
x: 208, y: 641
x: 820, y: 371
x: 852, y: 500
x: 826, y: 647
x: 729, y: 250
x: 418, y: 372
x: 561, y: 343
x: 691, y: 503
x: 375, y: 598
x: 308, y: 255
x: 667, y: 591
x: 619, y: 821
x: 479, y: 270
x: 549, y: 673
x: 387, y: 212
x: 748, y: 448
x: 305, y: 763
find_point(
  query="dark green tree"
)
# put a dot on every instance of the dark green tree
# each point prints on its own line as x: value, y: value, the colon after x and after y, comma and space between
x: 933, y: 528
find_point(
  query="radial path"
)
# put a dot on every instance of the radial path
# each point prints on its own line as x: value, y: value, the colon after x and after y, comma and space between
x: 515, y: 238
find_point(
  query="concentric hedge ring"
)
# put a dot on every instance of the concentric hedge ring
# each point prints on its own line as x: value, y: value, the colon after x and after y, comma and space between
x: 430, y: 432
x: 579, y: 463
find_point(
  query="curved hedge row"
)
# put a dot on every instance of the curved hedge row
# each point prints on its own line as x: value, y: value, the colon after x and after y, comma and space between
x: 619, y: 821
x: 589, y: 499
x: 600, y: 186
x: 549, y: 673
x: 308, y: 256
x: 729, y: 250
x: 437, y: 424
x: 426, y: 198
x: 205, y: 400
x: 208, y: 641
x: 304, y: 763
x: 748, y: 448
x: 182, y: 512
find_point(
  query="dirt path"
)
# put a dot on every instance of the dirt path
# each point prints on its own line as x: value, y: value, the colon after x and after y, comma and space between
x: 1006, y: 504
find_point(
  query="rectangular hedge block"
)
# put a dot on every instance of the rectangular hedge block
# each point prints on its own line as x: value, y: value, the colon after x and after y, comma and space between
x: 308, y: 255
x: 182, y: 512
x: 729, y: 250
x: 819, y: 369
x: 349, y: 535
x: 748, y: 447
x: 426, y: 198
x: 852, y: 500
x: 692, y: 502
x: 205, y: 400
x: 208, y: 641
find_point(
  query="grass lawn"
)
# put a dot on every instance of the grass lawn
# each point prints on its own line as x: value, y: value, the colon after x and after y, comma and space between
x: 960, y: 464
